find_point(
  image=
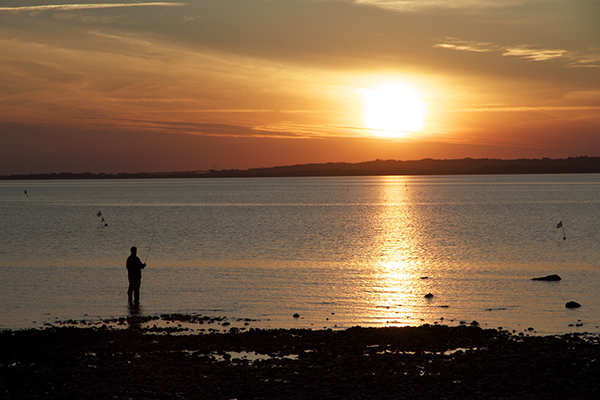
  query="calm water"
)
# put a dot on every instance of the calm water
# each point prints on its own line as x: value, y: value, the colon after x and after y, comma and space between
x: 338, y: 251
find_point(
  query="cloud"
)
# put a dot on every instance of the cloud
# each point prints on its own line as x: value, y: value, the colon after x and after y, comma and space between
x: 530, y: 109
x: 534, y: 54
x: 290, y: 129
x: 421, y: 5
x: 586, y: 61
x: 73, y: 7
x: 585, y: 95
x: 528, y: 52
x: 466, y: 45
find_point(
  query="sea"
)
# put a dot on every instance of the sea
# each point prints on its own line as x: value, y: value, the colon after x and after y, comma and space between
x: 307, y: 252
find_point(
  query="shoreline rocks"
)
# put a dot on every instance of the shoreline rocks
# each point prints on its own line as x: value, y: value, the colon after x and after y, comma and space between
x: 427, y: 362
x: 548, y: 278
x: 572, y: 304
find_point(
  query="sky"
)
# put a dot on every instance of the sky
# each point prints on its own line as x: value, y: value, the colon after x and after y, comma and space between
x: 128, y: 86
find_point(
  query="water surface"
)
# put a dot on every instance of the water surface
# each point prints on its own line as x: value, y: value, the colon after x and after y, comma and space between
x: 339, y: 251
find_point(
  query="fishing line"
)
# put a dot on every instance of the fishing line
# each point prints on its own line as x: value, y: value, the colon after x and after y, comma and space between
x: 150, y: 245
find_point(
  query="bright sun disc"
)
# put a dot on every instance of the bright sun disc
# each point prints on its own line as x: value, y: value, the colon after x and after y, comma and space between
x: 393, y: 110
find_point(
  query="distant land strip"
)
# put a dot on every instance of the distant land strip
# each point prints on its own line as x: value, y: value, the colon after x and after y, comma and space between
x: 465, y: 166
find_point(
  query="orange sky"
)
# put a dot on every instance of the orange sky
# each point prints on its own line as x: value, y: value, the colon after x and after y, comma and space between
x: 134, y: 87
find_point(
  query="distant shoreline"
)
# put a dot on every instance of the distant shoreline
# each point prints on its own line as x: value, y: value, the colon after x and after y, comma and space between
x: 465, y: 166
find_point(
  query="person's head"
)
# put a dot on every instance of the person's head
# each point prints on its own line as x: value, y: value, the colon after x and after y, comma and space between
x: 134, y: 250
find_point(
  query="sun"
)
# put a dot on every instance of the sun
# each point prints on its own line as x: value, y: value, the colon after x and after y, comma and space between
x: 393, y: 109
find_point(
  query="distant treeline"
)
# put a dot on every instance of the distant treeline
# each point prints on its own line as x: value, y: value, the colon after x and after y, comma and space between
x: 466, y: 166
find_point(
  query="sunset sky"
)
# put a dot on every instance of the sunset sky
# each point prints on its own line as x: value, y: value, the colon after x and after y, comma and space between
x: 126, y: 86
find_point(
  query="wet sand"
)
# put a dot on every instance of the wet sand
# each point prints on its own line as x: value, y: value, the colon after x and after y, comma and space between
x: 427, y: 362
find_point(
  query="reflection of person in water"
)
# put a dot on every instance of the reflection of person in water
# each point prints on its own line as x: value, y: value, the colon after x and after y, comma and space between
x: 134, y: 319
x: 134, y: 273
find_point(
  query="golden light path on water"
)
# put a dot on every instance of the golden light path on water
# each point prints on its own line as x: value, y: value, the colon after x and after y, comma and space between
x: 405, y: 263
x: 396, y: 279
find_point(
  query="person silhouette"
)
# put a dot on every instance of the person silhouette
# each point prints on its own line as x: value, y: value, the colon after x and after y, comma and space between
x: 134, y: 273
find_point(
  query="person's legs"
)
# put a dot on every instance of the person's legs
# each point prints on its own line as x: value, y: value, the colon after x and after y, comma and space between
x: 133, y: 292
x: 130, y: 293
x: 136, y: 294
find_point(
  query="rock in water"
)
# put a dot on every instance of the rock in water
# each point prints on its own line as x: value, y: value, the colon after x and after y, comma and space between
x: 572, y: 304
x: 547, y: 278
x: 428, y: 296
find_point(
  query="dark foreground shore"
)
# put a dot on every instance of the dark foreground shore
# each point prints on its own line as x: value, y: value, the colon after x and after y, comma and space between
x: 428, y: 362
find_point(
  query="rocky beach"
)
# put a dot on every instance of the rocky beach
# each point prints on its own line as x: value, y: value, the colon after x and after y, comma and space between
x: 135, y: 359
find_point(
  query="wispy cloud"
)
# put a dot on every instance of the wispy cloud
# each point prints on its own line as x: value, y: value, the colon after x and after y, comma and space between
x: 530, y: 109
x: 535, y: 54
x: 422, y: 5
x: 73, y: 7
x: 585, y: 95
x: 467, y: 45
x: 290, y: 129
x: 212, y: 111
x: 528, y: 52
x: 586, y: 61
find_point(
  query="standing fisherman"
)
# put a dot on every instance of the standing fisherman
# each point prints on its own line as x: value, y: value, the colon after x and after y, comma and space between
x: 134, y: 273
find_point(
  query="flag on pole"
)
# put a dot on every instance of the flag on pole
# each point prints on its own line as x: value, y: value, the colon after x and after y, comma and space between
x: 103, y: 221
x: 560, y: 225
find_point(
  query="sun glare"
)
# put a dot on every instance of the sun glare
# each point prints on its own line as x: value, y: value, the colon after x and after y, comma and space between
x: 393, y: 109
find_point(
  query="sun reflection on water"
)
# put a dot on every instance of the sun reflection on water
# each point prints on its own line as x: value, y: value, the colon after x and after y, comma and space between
x: 399, y: 285
x: 394, y: 294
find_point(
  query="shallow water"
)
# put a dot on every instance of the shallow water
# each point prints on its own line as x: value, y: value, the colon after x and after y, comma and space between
x: 339, y: 251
